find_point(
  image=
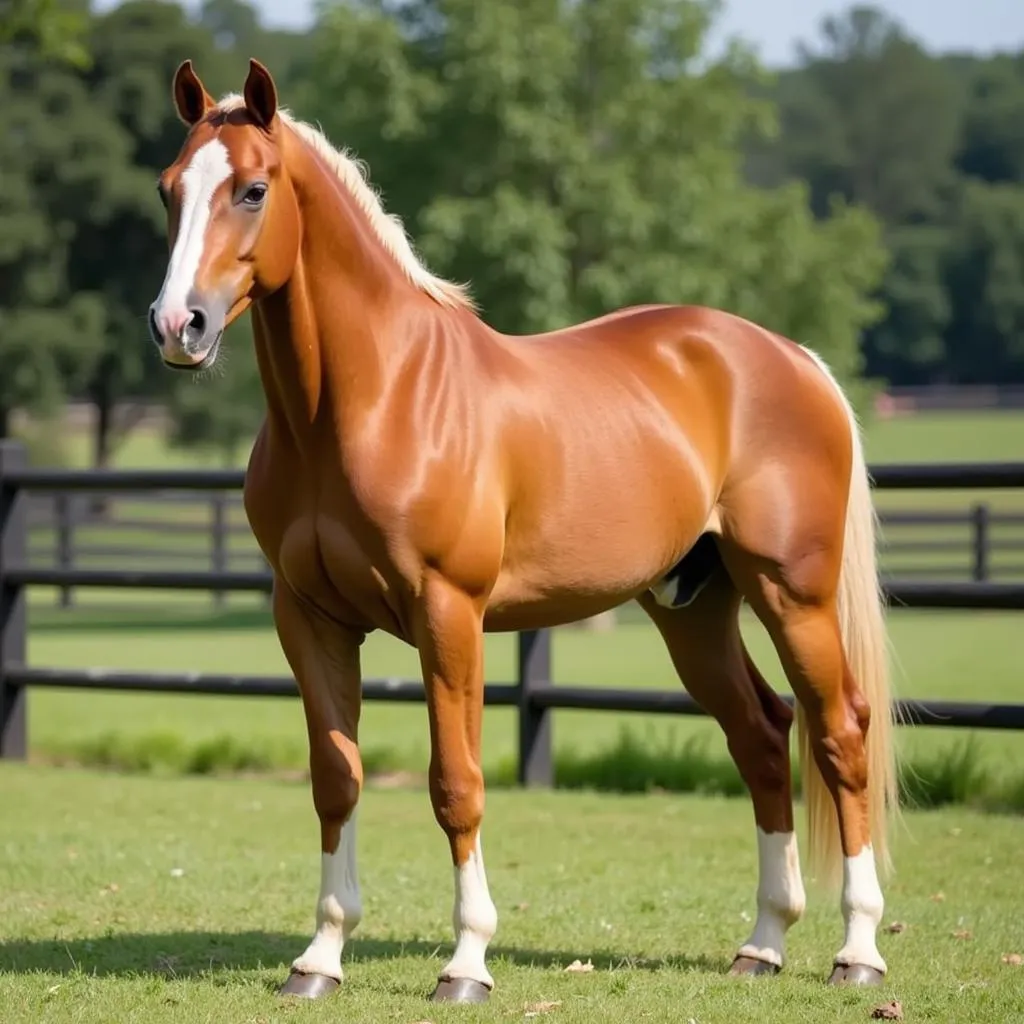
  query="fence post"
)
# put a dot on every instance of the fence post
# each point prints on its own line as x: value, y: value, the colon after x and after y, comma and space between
x: 13, y: 622
x: 220, y: 541
x: 63, y: 503
x: 536, y: 767
x: 980, y: 529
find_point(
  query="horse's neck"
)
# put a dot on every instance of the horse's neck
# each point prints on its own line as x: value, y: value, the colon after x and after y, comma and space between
x: 322, y: 341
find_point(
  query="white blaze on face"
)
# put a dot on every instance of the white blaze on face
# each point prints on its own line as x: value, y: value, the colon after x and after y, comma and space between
x: 209, y: 169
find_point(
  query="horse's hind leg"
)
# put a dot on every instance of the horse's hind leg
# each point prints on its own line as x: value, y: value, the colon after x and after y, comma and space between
x: 817, y: 596
x: 707, y: 650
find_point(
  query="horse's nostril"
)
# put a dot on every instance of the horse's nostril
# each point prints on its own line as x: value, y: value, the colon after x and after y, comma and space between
x: 197, y: 324
x: 154, y: 330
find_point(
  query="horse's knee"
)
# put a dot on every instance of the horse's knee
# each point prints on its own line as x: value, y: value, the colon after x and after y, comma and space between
x: 842, y: 747
x: 457, y: 797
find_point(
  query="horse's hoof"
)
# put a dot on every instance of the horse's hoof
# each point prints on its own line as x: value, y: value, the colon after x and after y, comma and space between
x: 460, y: 990
x: 748, y: 966
x: 856, y: 974
x: 308, y: 986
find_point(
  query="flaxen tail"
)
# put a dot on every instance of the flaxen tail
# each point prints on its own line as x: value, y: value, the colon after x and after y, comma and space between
x: 865, y: 640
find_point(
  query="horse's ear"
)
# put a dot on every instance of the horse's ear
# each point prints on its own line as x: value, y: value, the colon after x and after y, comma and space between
x: 260, y: 94
x: 191, y: 99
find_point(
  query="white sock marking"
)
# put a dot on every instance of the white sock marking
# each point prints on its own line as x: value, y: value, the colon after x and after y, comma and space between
x: 209, y: 168
x: 780, y: 896
x: 862, y: 905
x: 475, y: 920
x: 338, y: 909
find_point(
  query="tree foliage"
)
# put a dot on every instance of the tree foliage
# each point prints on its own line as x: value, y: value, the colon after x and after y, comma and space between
x: 566, y: 157
x: 934, y: 146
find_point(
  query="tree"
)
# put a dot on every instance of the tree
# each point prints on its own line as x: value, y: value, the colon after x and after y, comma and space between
x: 872, y: 117
x: 910, y: 344
x: 56, y: 156
x: 985, y: 272
x: 54, y: 28
x: 568, y: 159
x: 992, y: 143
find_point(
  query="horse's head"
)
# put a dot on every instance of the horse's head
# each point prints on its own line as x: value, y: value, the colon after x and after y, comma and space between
x: 231, y: 216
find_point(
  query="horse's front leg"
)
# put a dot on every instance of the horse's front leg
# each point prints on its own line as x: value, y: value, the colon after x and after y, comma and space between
x: 450, y: 642
x: 324, y: 657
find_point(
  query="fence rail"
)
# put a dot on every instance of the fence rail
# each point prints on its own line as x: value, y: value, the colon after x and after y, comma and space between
x: 533, y: 692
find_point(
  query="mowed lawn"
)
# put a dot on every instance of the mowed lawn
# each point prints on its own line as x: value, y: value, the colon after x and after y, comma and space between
x: 149, y: 900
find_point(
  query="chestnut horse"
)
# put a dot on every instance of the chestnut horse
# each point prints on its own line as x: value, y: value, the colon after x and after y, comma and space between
x: 420, y: 473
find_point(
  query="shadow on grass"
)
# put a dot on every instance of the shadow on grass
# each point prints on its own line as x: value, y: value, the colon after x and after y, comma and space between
x: 209, y: 954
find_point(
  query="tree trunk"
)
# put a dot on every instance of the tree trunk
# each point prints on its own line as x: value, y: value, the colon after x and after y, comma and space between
x: 104, y: 421
x: 100, y: 393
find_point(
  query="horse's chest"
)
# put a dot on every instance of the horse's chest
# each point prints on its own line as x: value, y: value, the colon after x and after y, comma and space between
x: 325, y: 561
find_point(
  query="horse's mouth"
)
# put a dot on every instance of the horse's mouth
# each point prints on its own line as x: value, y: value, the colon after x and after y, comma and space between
x: 203, y: 364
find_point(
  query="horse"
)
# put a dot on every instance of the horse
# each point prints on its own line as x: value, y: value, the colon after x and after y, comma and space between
x: 419, y: 472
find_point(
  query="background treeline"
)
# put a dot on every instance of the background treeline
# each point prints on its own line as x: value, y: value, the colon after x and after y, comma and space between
x: 564, y: 158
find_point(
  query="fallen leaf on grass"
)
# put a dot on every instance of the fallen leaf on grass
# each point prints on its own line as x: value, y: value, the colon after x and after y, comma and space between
x: 962, y: 933
x: 888, y: 1011
x: 536, y: 1009
x: 937, y: 897
x: 1013, y: 959
x: 896, y: 927
x: 521, y: 906
x: 580, y: 967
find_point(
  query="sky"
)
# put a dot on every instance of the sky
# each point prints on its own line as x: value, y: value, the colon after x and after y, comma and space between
x: 774, y: 26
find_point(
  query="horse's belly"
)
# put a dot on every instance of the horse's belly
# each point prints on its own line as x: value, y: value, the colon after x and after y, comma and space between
x: 587, y: 560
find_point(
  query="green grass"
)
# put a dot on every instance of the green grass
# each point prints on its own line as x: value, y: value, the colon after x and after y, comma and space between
x: 657, y: 891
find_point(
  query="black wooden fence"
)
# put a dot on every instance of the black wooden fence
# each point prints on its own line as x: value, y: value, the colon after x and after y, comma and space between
x: 533, y: 692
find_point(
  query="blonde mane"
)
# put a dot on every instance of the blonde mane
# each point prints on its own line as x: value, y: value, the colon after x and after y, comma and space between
x: 386, y: 226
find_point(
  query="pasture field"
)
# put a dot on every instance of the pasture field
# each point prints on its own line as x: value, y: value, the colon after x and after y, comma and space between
x: 940, y: 655
x: 144, y: 900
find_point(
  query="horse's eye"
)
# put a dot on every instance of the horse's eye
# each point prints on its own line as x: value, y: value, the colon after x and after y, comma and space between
x: 162, y: 193
x: 254, y: 195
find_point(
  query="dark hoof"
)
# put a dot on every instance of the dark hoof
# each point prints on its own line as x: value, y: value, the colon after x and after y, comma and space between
x: 460, y: 990
x: 748, y: 966
x: 856, y: 974
x: 308, y: 986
